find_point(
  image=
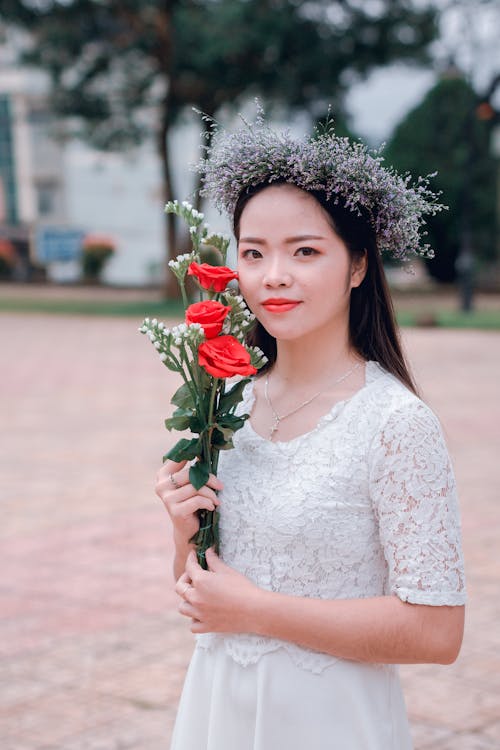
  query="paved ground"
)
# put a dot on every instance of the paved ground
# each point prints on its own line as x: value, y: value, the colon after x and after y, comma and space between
x: 92, y: 650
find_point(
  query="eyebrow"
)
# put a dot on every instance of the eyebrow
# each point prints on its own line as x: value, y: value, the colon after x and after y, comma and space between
x: 289, y: 240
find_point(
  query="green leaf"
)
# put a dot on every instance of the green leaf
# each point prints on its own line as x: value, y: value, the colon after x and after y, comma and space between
x: 231, y: 421
x: 227, y: 432
x: 178, y: 421
x: 232, y: 397
x: 183, y: 398
x: 196, y: 424
x: 220, y: 441
x: 171, y: 365
x: 198, y: 474
x: 205, y: 379
x: 184, y: 450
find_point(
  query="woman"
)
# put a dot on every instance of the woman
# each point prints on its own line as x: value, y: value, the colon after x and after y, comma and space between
x: 340, y: 546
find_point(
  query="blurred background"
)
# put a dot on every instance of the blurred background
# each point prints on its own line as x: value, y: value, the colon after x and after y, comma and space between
x: 98, y: 129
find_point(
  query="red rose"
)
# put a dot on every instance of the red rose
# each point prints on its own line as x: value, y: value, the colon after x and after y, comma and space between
x: 224, y: 357
x: 210, y: 314
x: 213, y: 278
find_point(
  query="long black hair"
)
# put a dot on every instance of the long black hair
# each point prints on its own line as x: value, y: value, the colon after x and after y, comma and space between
x: 373, y: 330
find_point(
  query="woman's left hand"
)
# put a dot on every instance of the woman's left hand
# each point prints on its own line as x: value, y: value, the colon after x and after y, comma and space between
x: 218, y: 600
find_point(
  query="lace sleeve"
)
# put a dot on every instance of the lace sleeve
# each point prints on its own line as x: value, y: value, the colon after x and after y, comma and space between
x: 413, y: 491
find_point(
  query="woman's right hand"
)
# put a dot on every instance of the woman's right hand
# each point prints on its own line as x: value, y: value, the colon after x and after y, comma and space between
x: 182, y: 500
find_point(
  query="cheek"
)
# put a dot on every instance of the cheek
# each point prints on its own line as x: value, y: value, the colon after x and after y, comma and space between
x: 245, y: 284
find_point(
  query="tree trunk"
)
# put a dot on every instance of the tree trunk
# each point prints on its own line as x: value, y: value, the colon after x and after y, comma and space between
x: 171, y: 288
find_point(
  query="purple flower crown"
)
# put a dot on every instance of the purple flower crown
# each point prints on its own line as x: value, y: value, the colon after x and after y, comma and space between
x: 257, y: 154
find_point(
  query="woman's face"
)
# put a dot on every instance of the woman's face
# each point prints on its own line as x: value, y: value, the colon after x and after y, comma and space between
x: 289, y: 252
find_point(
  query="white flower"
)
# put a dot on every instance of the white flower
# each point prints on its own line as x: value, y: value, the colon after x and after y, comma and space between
x: 163, y: 356
x: 157, y: 345
x: 177, y: 341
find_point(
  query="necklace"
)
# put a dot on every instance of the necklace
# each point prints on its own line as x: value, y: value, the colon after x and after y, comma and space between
x: 278, y: 419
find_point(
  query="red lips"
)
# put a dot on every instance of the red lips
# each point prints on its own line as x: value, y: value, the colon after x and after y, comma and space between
x: 279, y: 304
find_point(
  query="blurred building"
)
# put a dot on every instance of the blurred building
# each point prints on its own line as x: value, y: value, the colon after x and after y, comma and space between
x: 54, y: 191
x: 31, y: 164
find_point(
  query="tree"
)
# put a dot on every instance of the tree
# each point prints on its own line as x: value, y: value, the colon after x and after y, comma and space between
x: 118, y: 65
x: 449, y: 132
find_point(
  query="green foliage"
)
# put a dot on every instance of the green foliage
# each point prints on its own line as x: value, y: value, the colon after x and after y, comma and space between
x: 443, y: 134
x: 184, y: 450
x: 199, y: 474
x: 109, y: 59
x: 183, y: 398
x: 231, y: 398
x: 180, y: 420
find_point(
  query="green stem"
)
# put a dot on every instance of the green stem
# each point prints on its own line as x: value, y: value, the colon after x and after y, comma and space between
x: 208, y: 534
x: 184, y: 295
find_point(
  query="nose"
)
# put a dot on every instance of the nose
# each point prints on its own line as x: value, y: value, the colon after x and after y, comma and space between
x: 276, y: 274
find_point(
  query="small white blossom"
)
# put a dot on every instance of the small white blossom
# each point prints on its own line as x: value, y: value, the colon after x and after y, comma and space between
x: 157, y: 345
x: 163, y: 357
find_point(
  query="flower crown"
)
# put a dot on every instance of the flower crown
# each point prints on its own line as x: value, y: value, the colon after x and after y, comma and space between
x: 257, y: 154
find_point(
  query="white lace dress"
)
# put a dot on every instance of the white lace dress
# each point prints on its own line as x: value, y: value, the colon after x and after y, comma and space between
x: 363, y: 505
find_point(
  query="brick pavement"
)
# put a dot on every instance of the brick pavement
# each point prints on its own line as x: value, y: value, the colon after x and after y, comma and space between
x: 92, y: 650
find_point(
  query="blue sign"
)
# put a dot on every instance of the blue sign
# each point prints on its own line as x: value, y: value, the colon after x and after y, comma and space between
x: 58, y: 244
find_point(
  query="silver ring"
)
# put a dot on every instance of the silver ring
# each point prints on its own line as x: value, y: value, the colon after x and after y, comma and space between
x: 174, y: 482
x: 188, y: 585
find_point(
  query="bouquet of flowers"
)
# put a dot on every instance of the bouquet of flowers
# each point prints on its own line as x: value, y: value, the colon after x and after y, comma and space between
x: 206, y: 350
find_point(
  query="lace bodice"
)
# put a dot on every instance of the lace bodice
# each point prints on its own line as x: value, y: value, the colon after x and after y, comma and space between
x: 363, y: 505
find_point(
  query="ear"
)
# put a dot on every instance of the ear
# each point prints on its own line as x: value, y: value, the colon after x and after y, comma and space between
x: 358, y: 270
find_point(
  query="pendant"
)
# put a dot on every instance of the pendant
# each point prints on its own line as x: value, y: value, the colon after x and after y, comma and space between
x: 274, y: 427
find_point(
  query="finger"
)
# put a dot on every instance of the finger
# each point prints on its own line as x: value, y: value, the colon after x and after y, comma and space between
x: 172, y: 479
x: 172, y: 466
x: 192, y: 565
x: 182, y: 478
x: 188, y: 507
x: 213, y: 560
x: 187, y: 609
x: 198, y: 627
x: 180, y: 472
x: 215, y: 482
x: 182, y: 583
x: 186, y: 493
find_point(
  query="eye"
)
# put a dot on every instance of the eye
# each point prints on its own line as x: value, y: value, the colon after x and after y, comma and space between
x: 307, y: 251
x: 246, y: 253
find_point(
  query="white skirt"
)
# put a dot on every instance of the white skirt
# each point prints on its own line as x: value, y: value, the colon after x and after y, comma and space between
x: 275, y: 704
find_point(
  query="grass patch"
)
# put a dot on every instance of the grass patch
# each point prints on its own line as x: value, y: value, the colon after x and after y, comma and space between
x: 482, y: 319
x: 136, y: 309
